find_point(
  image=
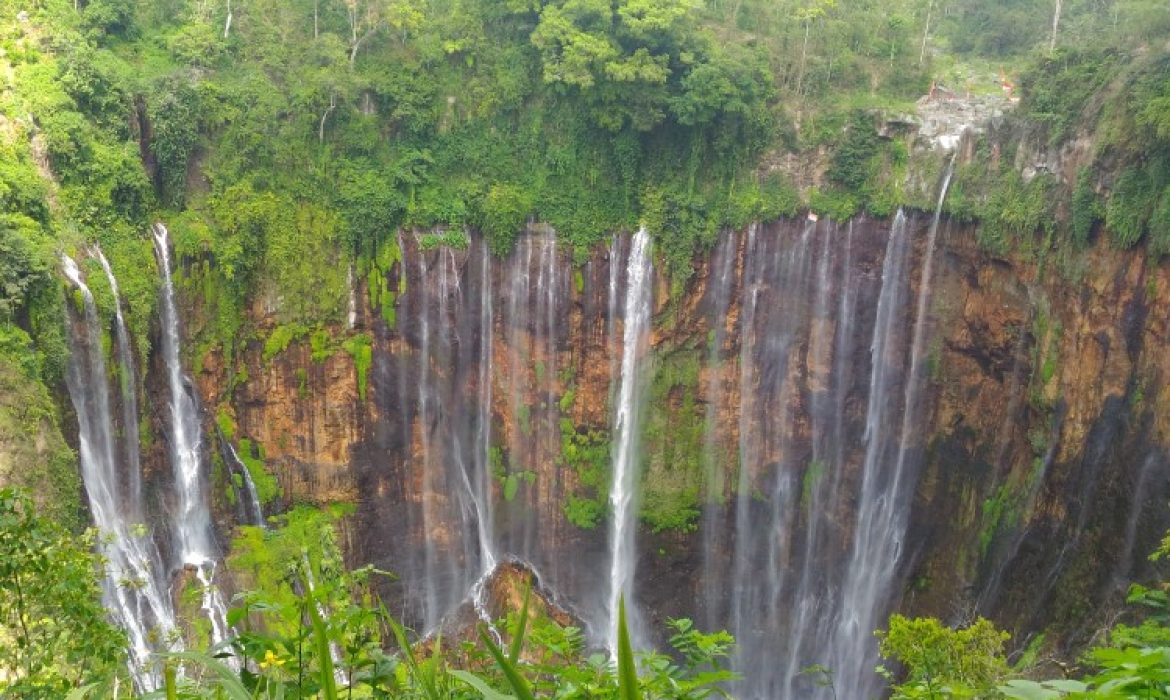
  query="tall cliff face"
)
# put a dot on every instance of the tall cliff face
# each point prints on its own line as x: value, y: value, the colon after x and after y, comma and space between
x: 1029, y: 429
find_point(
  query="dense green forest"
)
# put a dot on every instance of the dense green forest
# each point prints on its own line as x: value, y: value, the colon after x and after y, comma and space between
x: 274, y: 133
x: 286, y: 142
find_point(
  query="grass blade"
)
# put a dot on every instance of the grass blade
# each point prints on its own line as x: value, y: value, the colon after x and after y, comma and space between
x: 324, y: 657
x: 519, y: 685
x: 169, y: 681
x: 488, y: 692
x: 627, y: 673
x: 521, y: 628
x: 228, y: 679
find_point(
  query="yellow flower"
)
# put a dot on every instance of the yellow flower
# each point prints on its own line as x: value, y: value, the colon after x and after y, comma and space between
x: 271, y: 660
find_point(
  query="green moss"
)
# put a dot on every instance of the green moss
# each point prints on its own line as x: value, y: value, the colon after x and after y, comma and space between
x: 673, y: 445
x: 321, y: 345
x: 227, y: 424
x: 281, y: 337
x: 383, y: 296
x: 998, y: 514
x: 808, y: 482
x: 360, y: 348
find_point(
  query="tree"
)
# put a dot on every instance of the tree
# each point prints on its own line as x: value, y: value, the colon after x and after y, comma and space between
x: 943, y: 662
x: 54, y: 634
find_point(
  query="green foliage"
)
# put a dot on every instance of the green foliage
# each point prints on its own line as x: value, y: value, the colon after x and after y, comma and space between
x: 838, y: 205
x: 1159, y: 226
x: 505, y: 209
x: 267, y: 487
x: 56, y: 635
x: 943, y: 662
x: 360, y: 348
x: 281, y: 337
x: 1015, y: 210
x: 175, y: 112
x: 1087, y: 210
x: 310, y: 628
x: 1058, y: 88
x: 23, y: 262
x: 1130, y: 204
x: 449, y: 239
x: 587, y: 453
x: 850, y: 164
x: 778, y: 199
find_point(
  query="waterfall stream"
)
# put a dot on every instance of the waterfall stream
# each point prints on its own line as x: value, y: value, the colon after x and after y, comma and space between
x: 132, y: 468
x: 192, y: 521
x: 622, y: 498
x: 134, y: 590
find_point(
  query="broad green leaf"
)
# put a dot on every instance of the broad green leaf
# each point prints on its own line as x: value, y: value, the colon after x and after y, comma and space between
x: 627, y: 673
x: 478, y: 683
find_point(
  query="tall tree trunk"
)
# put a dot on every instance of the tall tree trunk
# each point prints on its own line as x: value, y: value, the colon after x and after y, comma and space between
x: 803, y: 58
x: 1055, y: 24
x: 315, y: 4
x: 227, y: 24
x: 325, y: 115
x: 926, y: 33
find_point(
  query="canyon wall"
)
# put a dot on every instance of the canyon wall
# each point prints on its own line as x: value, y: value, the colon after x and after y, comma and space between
x: 1023, y: 401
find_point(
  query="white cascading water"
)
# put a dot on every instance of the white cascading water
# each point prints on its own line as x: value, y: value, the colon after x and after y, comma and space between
x: 479, y: 483
x: 626, y: 432
x: 866, y: 578
x: 192, y: 523
x: 132, y: 469
x: 254, y: 510
x: 887, y: 486
x: 133, y: 590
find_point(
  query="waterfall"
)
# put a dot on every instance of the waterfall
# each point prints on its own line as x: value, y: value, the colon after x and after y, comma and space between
x: 192, y: 523
x: 133, y: 590
x: 888, y: 482
x: 776, y: 281
x: 479, y: 482
x: 870, y: 569
x: 132, y: 469
x: 723, y: 265
x: 252, y: 511
x: 433, y: 608
x: 626, y: 435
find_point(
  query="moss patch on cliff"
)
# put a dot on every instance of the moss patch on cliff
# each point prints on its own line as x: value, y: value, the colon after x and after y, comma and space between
x: 252, y: 455
x: 673, y: 444
x: 360, y: 348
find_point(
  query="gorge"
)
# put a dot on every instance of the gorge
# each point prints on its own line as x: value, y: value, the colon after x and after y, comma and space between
x: 613, y: 324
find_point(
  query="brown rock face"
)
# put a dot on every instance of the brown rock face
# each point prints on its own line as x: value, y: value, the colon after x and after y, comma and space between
x: 1029, y: 430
